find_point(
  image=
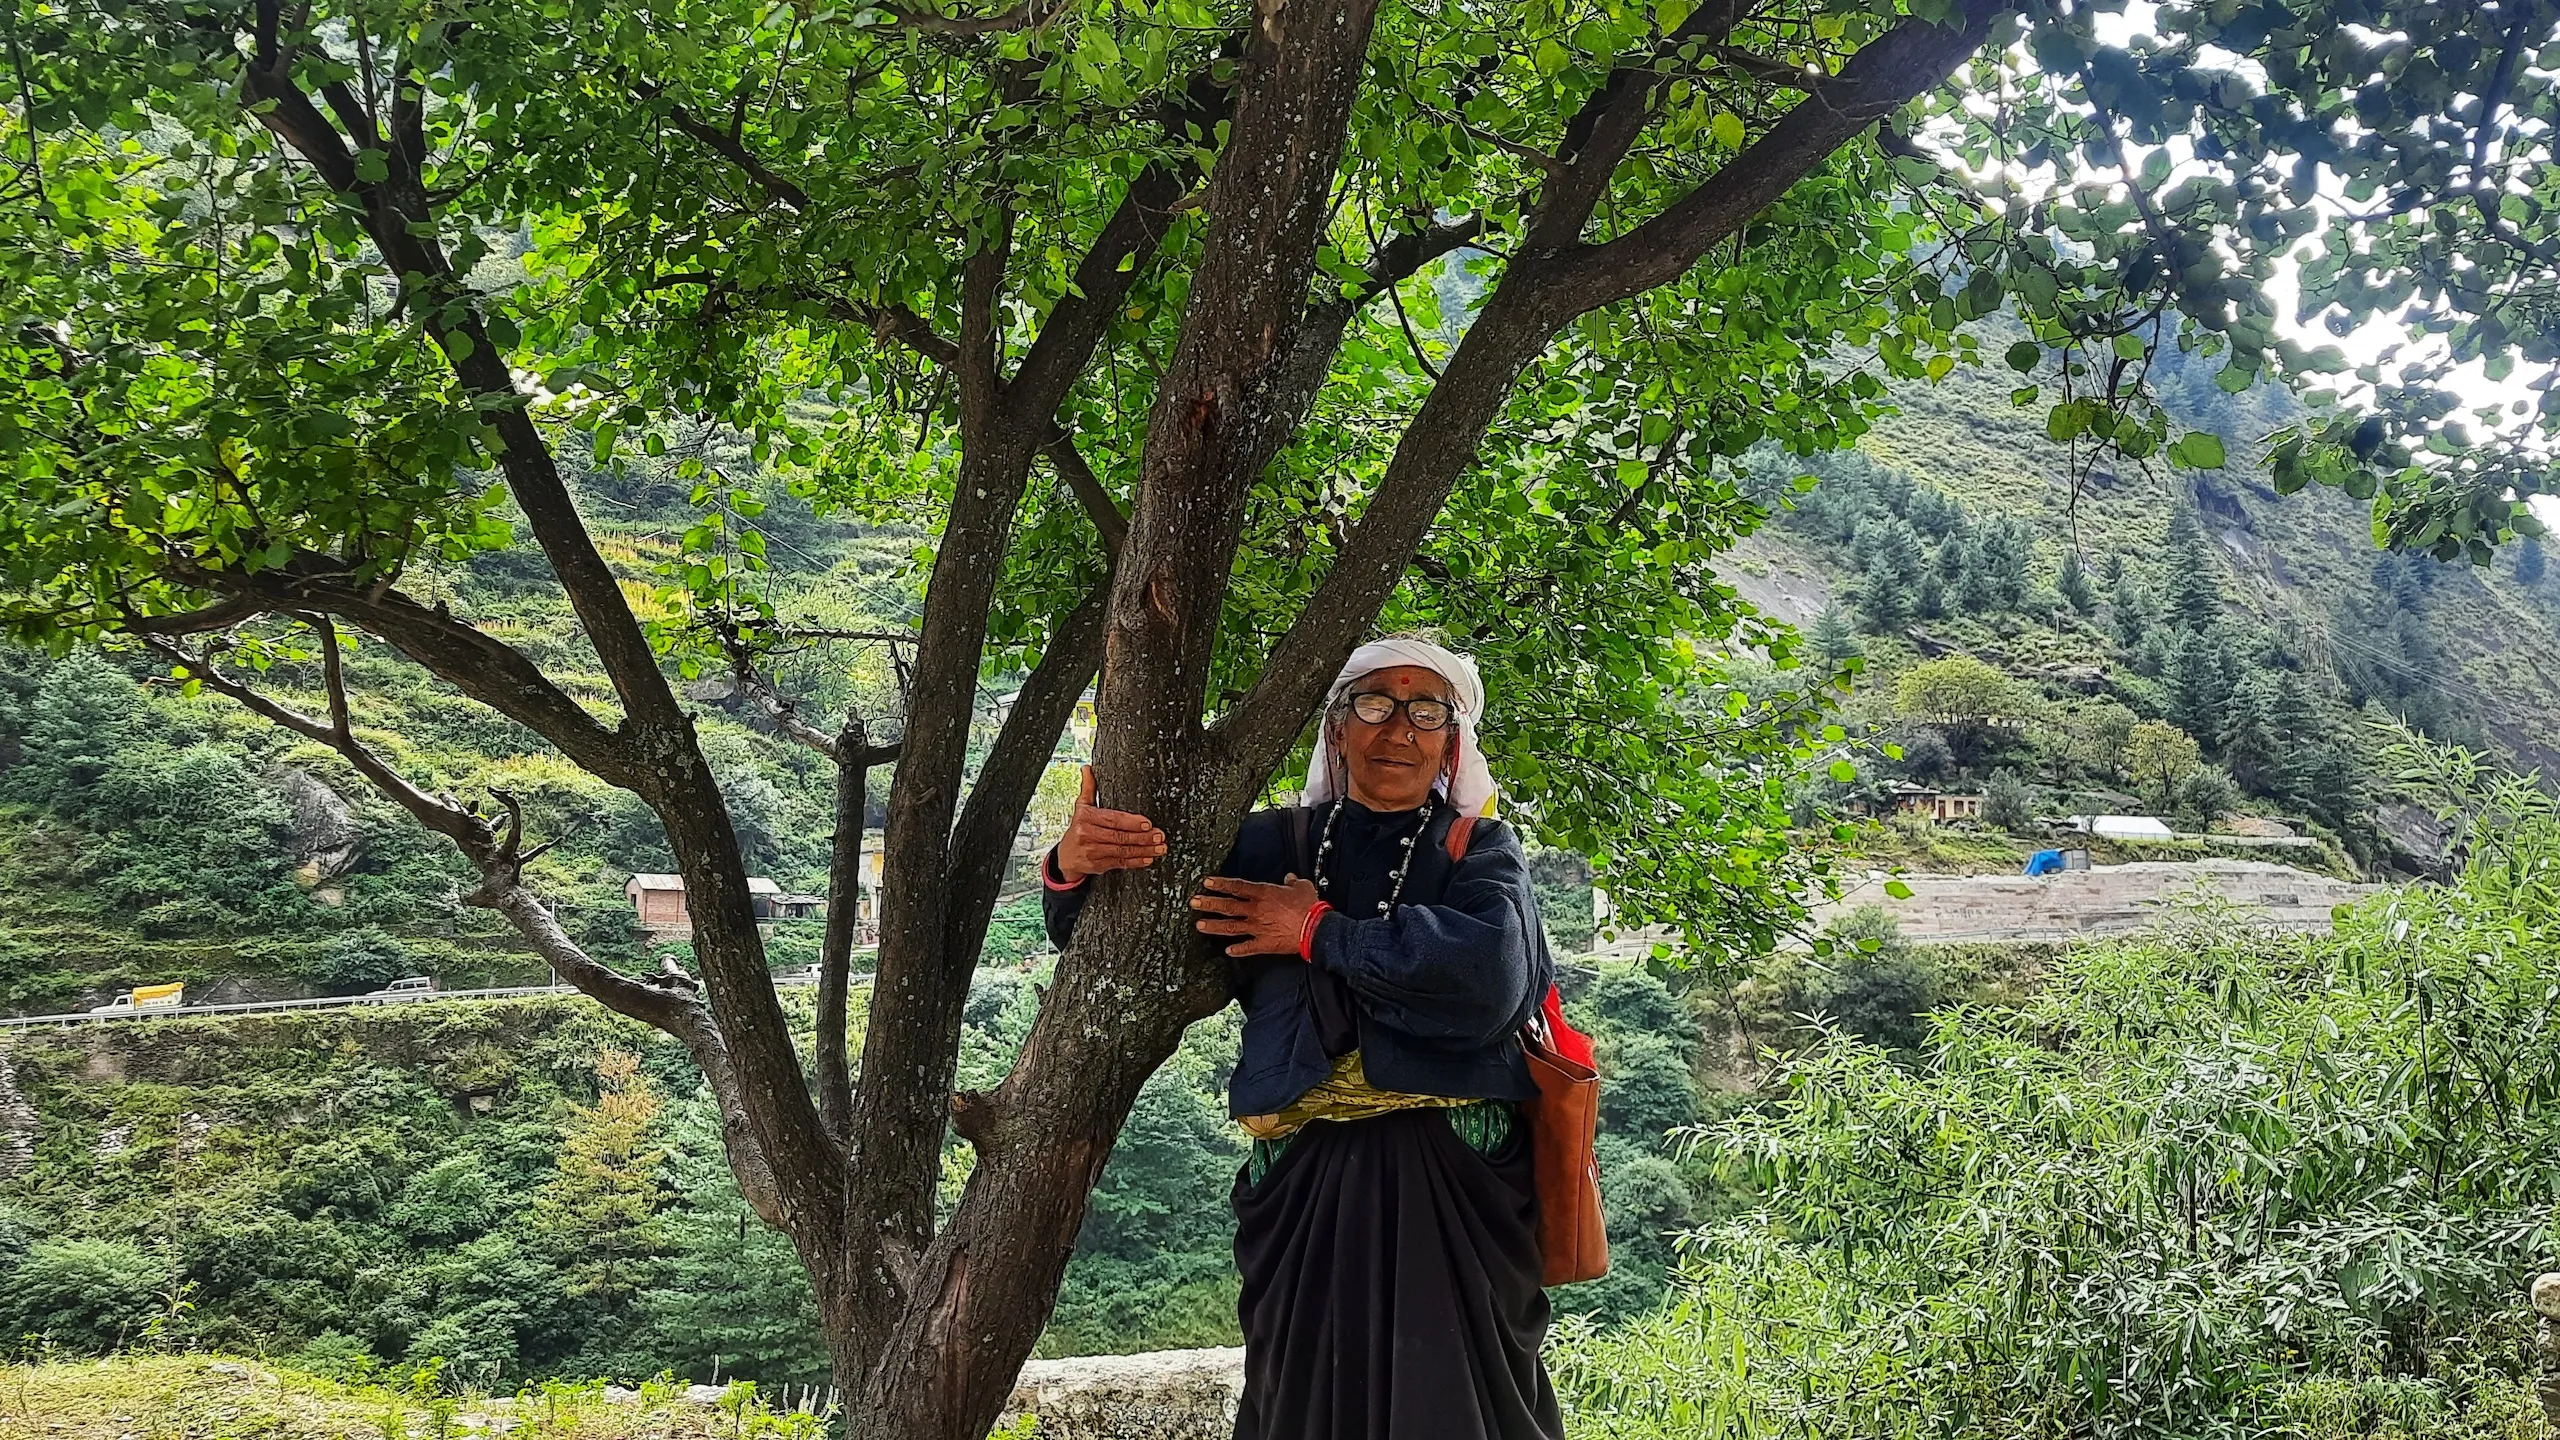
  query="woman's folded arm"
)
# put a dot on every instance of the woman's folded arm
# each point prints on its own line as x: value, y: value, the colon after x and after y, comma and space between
x: 1454, y: 972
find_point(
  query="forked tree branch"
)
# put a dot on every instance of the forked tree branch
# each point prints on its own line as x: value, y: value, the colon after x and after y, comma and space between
x: 1888, y: 73
x: 776, y: 186
x: 479, y: 665
x: 1599, y: 135
x: 499, y: 857
x: 656, y: 756
x: 1539, y: 294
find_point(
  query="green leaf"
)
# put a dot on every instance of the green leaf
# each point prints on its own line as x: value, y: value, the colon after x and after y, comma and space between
x: 2197, y: 450
x: 1897, y: 890
x: 1727, y: 128
x: 2025, y: 356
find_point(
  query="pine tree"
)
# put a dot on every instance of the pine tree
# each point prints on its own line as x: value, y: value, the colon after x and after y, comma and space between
x: 601, y: 1206
x: 2253, y: 749
x: 1996, y: 565
x: 1892, y: 556
x: 1934, y: 513
x: 1833, y: 637
x: 2193, y: 585
x: 2008, y: 802
x: 2294, y: 720
x: 82, y: 714
x: 731, y: 1299
x: 2074, y: 584
x: 2132, y: 612
x: 2322, y: 778
x: 2198, y: 684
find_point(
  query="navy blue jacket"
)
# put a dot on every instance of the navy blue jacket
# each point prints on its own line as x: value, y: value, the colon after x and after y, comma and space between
x: 1433, y: 996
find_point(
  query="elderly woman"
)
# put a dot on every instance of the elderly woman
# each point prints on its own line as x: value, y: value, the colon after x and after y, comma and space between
x: 1386, y: 1221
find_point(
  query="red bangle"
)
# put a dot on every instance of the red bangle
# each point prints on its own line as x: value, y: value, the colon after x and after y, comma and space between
x: 1052, y: 877
x: 1307, y: 932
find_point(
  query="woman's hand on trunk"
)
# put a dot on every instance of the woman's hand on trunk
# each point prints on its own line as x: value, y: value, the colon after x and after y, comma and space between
x: 1099, y: 839
x: 1262, y: 919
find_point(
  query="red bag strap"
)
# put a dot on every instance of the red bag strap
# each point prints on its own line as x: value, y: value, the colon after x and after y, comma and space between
x: 1461, y: 830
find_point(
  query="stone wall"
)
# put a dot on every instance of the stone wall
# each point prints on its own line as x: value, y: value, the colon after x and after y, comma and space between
x: 1166, y: 1395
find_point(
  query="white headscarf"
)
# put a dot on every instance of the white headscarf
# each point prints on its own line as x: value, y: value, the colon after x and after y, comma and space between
x: 1470, y: 782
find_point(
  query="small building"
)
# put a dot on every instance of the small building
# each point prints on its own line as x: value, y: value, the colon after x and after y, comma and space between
x: 1907, y: 798
x: 657, y: 902
x: 794, y: 907
x: 2123, y: 827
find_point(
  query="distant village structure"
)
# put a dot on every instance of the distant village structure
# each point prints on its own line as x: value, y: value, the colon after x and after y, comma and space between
x: 1906, y: 798
x: 2122, y: 827
x: 657, y: 902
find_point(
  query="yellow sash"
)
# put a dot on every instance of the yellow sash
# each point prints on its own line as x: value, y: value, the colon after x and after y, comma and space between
x: 1343, y: 1095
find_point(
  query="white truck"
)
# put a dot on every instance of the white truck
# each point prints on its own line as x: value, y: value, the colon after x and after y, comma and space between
x: 413, y: 987
x: 145, y: 1000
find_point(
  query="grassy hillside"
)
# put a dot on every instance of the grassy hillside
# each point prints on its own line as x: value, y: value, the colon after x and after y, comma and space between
x: 520, y: 1189
x: 150, y: 835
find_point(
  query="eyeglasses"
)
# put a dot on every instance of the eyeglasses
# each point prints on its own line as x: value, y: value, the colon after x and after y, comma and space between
x: 1424, y: 711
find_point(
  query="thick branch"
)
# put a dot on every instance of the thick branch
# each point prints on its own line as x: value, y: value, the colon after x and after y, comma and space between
x: 854, y: 758
x: 981, y: 843
x: 1110, y: 266
x: 1906, y: 62
x: 486, y: 669
x: 923, y: 980
x: 1601, y: 132
x: 1026, y: 15
x: 1538, y: 295
x: 897, y: 322
x: 1089, y: 490
x: 663, y: 764
x: 781, y: 709
x: 498, y: 856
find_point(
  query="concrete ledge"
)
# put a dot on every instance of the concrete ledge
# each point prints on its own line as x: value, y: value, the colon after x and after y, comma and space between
x: 1164, y: 1395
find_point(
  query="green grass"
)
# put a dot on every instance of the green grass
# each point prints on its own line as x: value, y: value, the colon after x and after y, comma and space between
x: 216, y: 1397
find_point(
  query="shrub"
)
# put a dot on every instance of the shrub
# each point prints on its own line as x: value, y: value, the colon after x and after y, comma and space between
x: 362, y: 959
x: 83, y: 1294
x: 2213, y: 1184
x: 2204, y: 796
x: 2008, y: 802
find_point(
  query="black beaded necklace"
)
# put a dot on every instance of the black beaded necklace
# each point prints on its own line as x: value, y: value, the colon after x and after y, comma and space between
x: 1403, y: 867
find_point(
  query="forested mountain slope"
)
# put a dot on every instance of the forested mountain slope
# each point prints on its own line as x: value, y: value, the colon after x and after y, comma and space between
x: 2266, y: 628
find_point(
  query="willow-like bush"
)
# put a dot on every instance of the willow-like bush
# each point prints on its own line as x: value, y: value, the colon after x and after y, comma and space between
x: 2206, y: 1183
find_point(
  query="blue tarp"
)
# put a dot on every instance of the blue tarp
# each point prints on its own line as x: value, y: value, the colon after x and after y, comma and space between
x: 2045, y: 862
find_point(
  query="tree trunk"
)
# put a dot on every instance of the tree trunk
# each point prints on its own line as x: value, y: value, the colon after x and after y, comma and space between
x: 1122, y: 995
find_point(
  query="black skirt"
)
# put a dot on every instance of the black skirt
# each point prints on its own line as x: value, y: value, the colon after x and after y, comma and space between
x: 1391, y: 1288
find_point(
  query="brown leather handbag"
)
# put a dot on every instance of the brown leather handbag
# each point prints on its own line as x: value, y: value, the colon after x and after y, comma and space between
x: 1573, y: 1236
